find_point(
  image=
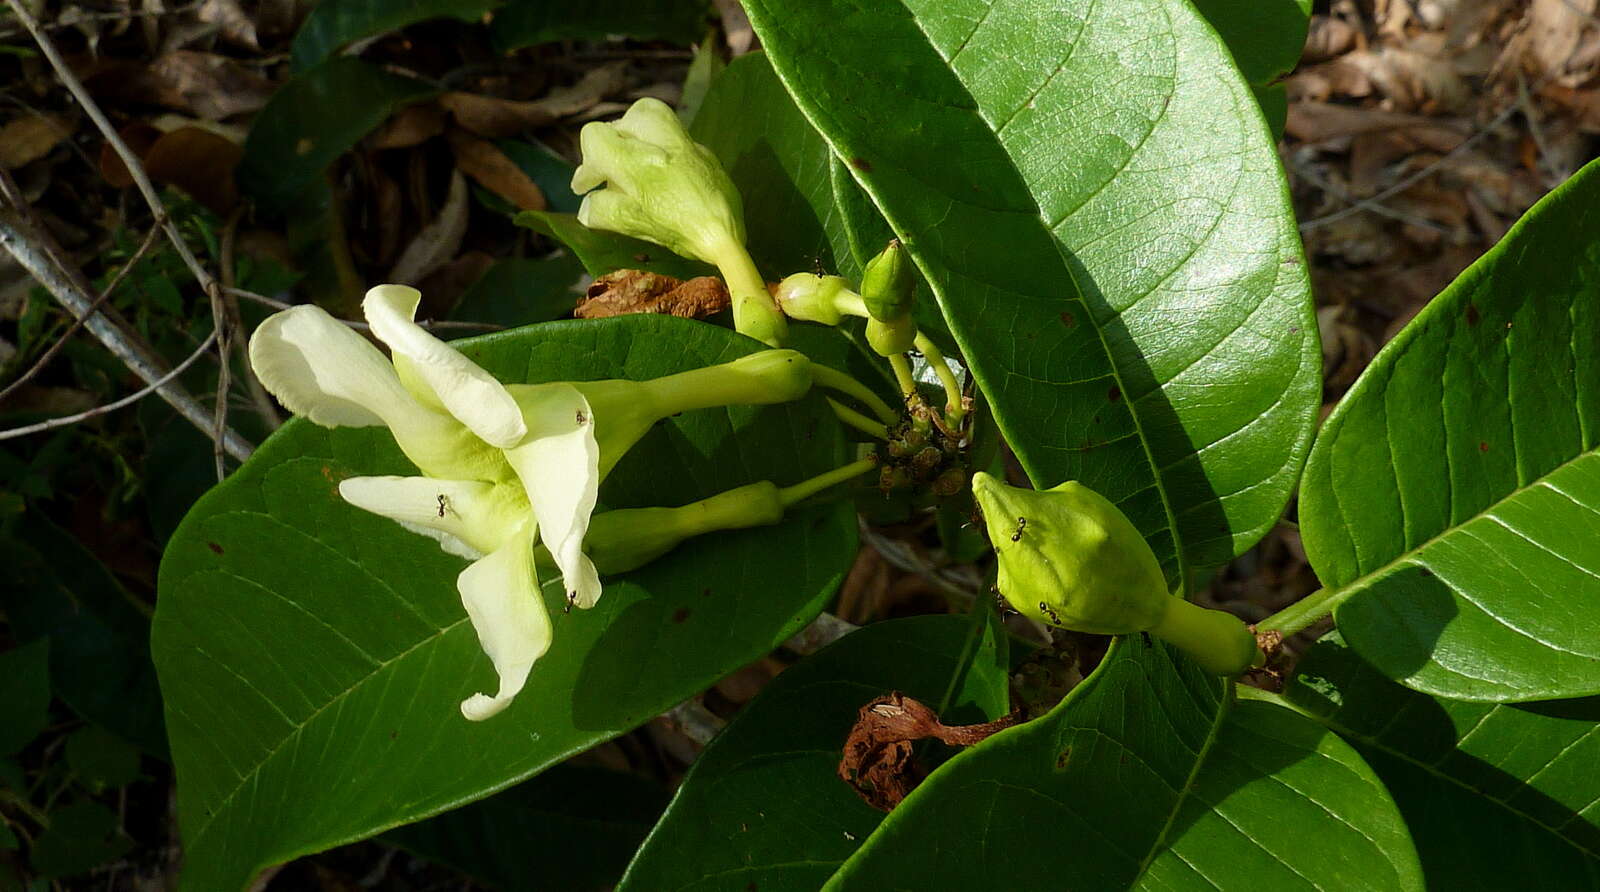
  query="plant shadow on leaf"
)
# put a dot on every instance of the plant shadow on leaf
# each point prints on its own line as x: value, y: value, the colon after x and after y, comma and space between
x: 1400, y: 625
x: 1475, y: 824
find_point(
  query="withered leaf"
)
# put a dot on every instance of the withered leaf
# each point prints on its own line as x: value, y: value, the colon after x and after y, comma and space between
x: 879, y: 762
x: 481, y: 160
x: 494, y: 118
x: 637, y: 291
x: 28, y: 138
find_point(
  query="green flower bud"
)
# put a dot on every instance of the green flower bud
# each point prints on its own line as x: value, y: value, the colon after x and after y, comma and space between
x: 813, y: 298
x: 659, y: 184
x: 1070, y: 558
x: 888, y: 288
x: 629, y: 538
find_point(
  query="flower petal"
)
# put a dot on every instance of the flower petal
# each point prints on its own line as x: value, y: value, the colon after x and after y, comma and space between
x: 467, y: 517
x: 501, y: 595
x: 560, y: 467
x: 471, y: 394
x: 319, y: 368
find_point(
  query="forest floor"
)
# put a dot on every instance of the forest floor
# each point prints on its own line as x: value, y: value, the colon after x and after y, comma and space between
x: 1418, y: 132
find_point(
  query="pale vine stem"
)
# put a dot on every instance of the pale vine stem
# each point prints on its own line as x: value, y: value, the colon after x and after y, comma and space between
x: 68, y: 286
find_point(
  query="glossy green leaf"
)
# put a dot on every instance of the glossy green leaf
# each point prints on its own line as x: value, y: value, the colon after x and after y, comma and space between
x: 24, y: 695
x: 527, y: 22
x: 1091, y: 193
x: 521, y: 291
x: 52, y: 587
x: 334, y: 23
x: 781, y: 167
x: 571, y: 828
x: 313, y: 119
x: 1149, y: 775
x: 312, y: 656
x: 602, y: 252
x: 1265, y: 39
x: 1452, y: 498
x: 1497, y: 796
x: 763, y: 806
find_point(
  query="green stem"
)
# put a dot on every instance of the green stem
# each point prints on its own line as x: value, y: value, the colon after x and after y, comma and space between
x: 837, y: 380
x: 947, y: 376
x: 1304, y: 612
x: 902, y: 374
x: 874, y: 429
x: 1219, y: 641
x: 789, y: 495
x: 754, y: 311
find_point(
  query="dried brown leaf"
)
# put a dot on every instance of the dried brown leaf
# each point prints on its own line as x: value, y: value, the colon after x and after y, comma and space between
x: 1319, y: 121
x: 439, y: 241
x: 29, y: 138
x: 410, y: 126
x: 878, y: 760
x: 494, y: 118
x: 637, y: 291
x: 205, y: 85
x: 481, y: 160
x: 232, y: 21
x: 200, y: 163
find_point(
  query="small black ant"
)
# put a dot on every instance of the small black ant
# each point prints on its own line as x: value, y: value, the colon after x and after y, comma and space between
x: 1022, y: 524
x: 582, y: 418
x: 572, y: 598
x: 1045, y: 609
x: 444, y: 504
x: 1146, y: 636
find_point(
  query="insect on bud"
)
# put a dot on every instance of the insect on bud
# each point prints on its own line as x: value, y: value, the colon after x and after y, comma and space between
x: 1070, y: 558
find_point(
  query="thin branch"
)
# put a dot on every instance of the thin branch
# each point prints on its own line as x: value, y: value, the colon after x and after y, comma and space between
x: 37, y: 252
x: 103, y: 124
x: 1373, y: 203
x: 128, y: 400
x: 264, y: 405
x: 430, y: 324
x: 80, y: 321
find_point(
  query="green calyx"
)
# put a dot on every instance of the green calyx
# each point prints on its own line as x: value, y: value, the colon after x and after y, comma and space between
x: 1070, y: 558
x: 624, y: 411
x: 629, y: 538
x: 813, y: 298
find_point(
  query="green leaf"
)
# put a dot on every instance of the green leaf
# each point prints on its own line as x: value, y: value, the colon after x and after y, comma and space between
x: 602, y: 252
x: 1149, y: 775
x: 24, y: 695
x: 549, y: 171
x: 102, y: 760
x: 780, y: 165
x: 571, y: 828
x: 312, y: 656
x: 1091, y: 193
x: 81, y: 837
x: 1451, y: 500
x: 763, y: 806
x: 313, y: 119
x: 1497, y: 796
x: 334, y: 23
x: 521, y: 291
x: 1266, y: 40
x: 52, y: 587
x: 528, y: 22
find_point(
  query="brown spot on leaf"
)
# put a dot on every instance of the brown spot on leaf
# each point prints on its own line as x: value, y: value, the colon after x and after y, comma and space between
x: 878, y: 757
x: 1483, y: 446
x: 636, y: 291
x: 681, y: 614
x: 1061, y: 760
x: 1472, y: 314
x: 214, y: 547
x: 1068, y: 319
x: 861, y: 164
x: 1114, y: 393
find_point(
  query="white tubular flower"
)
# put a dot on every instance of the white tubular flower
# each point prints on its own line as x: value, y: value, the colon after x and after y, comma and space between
x: 660, y: 185
x: 490, y: 524
x: 319, y: 368
x: 500, y: 468
x: 559, y: 464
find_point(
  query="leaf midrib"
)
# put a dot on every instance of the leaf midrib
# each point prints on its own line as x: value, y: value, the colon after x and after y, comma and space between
x: 1224, y: 707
